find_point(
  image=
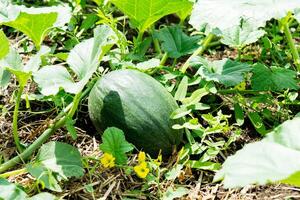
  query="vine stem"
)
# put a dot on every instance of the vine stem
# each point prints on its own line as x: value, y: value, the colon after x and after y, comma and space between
x: 13, y: 173
x: 164, y: 59
x: 15, y: 119
x: 155, y: 41
x: 140, y: 37
x: 58, y: 122
x: 292, y: 45
x: 235, y: 91
x: 199, y: 51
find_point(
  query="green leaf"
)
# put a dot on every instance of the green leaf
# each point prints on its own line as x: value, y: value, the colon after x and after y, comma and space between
x: 180, y: 112
x: 56, y: 161
x: 186, y: 11
x: 12, y: 63
x: 242, y: 35
x: 171, y: 193
x: 143, y: 13
x: 9, y: 191
x: 8, y: 12
x: 175, y: 42
x: 273, y: 78
x: 44, y: 176
x: 114, y: 143
x: 4, y: 78
x: 35, y: 61
x: 239, y: 114
x: 204, y: 165
x: 35, y: 29
x: 51, y: 78
x: 182, y: 89
x: 225, y: 14
x: 173, y: 173
x: 43, y: 196
x: 148, y: 65
x: 195, y: 97
x: 21, y: 76
x: 274, y: 159
x: 83, y: 60
x: 4, y: 48
x: 226, y: 71
x: 297, y: 14
x: 257, y: 122
x: 71, y: 128
x: 35, y: 22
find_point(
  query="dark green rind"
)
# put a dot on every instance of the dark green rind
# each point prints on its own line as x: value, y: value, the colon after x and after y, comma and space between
x: 137, y: 104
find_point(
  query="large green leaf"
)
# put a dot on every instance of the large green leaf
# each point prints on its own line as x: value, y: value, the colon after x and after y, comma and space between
x: 297, y: 14
x: 175, y: 42
x: 56, y: 161
x: 33, y: 28
x: 273, y: 78
x: 241, y: 35
x: 114, y: 143
x: 34, y: 22
x: 225, y: 14
x: 9, y: 191
x: 226, y: 71
x: 51, y: 78
x: 274, y: 159
x: 186, y: 11
x: 143, y: 13
x: 4, y: 48
x: 8, y: 12
x: 12, y: 63
x: 83, y: 60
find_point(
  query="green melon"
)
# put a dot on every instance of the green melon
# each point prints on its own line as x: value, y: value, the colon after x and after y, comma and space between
x: 139, y: 105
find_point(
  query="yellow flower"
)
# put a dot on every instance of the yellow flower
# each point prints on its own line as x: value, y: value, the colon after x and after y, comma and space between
x: 141, y: 157
x: 158, y: 160
x: 241, y: 86
x: 108, y: 160
x: 141, y: 170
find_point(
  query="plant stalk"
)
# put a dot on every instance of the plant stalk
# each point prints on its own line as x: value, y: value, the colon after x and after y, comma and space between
x: 199, y: 51
x: 164, y: 59
x: 140, y: 37
x: 15, y: 119
x: 292, y: 45
x: 59, y: 122
x: 235, y: 91
x: 13, y: 173
x: 155, y: 41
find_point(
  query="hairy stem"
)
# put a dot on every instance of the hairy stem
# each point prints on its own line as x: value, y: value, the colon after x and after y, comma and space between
x: 164, y: 59
x: 292, y: 45
x: 155, y: 41
x: 199, y: 51
x: 140, y: 37
x: 15, y: 119
x: 13, y: 173
x: 58, y: 122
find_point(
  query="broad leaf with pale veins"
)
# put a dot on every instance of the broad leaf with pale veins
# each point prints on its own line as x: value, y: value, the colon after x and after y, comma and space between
x: 83, y: 60
x: 223, y: 14
x: 4, y: 47
x: 226, y: 71
x: 274, y: 159
x: 114, y: 143
x: 34, y: 22
x: 56, y: 161
x: 175, y: 42
x: 273, y: 78
x: 242, y: 35
x: 143, y: 13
